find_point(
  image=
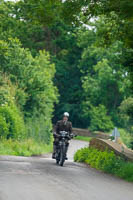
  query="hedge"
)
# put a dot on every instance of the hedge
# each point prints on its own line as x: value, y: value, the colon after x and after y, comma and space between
x: 105, y: 161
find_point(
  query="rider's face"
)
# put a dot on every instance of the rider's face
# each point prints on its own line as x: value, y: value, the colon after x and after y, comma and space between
x: 65, y: 118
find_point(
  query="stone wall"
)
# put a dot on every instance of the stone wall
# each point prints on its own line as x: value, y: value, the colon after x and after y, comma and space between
x: 87, y: 133
x: 108, y: 145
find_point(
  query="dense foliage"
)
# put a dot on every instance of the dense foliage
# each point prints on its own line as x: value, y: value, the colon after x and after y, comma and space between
x: 27, y: 92
x: 105, y: 161
x: 91, y: 46
x: 126, y: 110
x: 126, y: 138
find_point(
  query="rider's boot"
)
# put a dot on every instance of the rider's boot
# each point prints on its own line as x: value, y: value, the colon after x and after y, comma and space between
x: 54, y: 151
x: 66, y: 158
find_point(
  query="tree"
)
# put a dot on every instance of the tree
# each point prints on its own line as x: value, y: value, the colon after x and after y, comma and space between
x: 90, y: 44
x: 121, y: 13
x: 68, y: 75
x: 33, y: 77
x: 99, y: 119
x: 47, y: 12
x: 105, y: 81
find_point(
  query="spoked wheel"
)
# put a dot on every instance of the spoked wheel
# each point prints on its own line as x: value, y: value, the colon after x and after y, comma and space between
x: 57, y: 161
x: 62, y: 155
x: 57, y: 158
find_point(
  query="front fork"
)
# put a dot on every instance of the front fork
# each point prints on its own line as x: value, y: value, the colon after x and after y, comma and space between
x: 63, y: 146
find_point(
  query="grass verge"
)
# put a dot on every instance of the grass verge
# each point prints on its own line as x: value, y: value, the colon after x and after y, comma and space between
x: 105, y: 161
x: 27, y: 147
x: 87, y: 139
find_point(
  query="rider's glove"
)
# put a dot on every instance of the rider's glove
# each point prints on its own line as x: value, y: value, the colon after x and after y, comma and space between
x: 71, y: 135
x: 56, y: 135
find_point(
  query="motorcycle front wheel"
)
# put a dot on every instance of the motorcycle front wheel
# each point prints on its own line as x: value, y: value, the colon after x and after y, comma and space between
x: 57, y: 158
x: 57, y: 161
x: 62, y: 155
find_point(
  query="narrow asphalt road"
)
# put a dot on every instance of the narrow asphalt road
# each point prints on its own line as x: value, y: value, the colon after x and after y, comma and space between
x: 39, y: 178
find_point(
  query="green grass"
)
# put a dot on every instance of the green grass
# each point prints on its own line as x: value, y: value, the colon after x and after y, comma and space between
x: 83, y: 138
x: 105, y: 161
x: 27, y: 147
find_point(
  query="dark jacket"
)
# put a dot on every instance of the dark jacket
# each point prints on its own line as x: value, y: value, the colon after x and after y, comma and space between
x: 61, y: 126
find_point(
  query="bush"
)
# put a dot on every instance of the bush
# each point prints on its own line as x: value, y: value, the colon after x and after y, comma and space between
x: 105, y: 161
x: 126, y: 171
x: 81, y: 155
x: 11, y: 123
x: 11, y: 119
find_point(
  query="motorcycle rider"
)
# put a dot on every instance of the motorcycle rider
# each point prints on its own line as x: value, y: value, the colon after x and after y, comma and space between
x: 62, y: 125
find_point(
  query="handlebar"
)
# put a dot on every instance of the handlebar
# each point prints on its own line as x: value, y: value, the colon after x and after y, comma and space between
x: 72, y: 135
x: 65, y: 134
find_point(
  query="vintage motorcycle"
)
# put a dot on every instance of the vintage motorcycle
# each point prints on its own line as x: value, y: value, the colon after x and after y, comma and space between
x: 62, y: 147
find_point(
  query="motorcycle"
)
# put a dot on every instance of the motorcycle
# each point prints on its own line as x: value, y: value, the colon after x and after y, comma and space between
x: 61, y: 151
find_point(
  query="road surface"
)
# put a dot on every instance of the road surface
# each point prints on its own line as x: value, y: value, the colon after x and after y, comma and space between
x: 39, y: 178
